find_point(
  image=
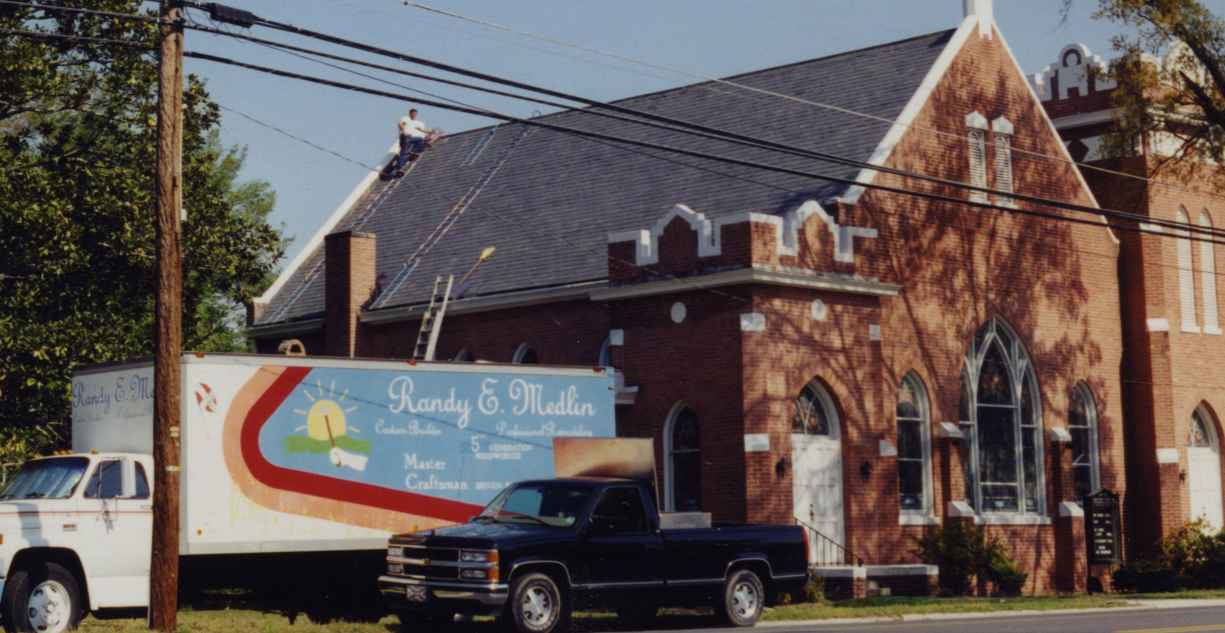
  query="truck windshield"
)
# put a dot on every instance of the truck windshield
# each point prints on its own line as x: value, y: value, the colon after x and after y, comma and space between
x: 554, y: 504
x: 46, y: 479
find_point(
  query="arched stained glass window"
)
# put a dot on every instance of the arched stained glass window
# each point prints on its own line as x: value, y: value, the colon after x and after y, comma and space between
x: 913, y: 446
x: 1082, y: 424
x: 813, y: 411
x: 1000, y: 397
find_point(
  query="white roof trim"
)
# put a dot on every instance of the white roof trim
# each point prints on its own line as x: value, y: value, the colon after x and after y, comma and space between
x: 787, y: 228
x: 1085, y: 118
x: 976, y: 120
x: 913, y: 108
x: 1002, y: 126
x: 1055, y: 133
x: 764, y: 275
x: 334, y: 219
x: 572, y: 292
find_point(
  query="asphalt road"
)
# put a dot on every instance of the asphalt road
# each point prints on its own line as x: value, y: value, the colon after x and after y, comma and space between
x: 1190, y: 620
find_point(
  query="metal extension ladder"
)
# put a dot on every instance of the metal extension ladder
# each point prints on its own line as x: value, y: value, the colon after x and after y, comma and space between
x: 431, y: 319
x: 452, y: 216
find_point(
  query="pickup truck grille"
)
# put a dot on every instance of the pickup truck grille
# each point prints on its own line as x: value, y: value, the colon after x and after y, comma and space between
x: 441, y: 554
x: 423, y: 572
x: 422, y: 563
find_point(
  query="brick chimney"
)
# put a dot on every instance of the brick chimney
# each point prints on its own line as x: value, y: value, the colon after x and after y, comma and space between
x: 349, y: 278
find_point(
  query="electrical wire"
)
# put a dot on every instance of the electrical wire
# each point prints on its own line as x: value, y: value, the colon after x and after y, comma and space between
x: 787, y: 97
x: 692, y: 153
x: 724, y: 135
x: 295, y: 137
x: 76, y: 38
x: 109, y: 14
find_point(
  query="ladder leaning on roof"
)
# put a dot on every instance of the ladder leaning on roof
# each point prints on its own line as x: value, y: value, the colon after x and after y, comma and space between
x: 452, y: 216
x: 371, y: 204
x: 431, y: 319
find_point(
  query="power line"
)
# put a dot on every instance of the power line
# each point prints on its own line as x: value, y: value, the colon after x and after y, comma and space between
x: 76, y: 38
x: 720, y: 134
x: 109, y: 14
x: 1186, y: 228
x: 297, y: 138
x: 692, y: 153
x: 725, y: 134
x: 780, y: 95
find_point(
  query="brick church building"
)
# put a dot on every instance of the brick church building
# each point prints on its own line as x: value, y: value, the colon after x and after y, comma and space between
x: 839, y: 353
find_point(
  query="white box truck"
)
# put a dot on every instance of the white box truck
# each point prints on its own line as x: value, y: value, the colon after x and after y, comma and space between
x: 295, y: 471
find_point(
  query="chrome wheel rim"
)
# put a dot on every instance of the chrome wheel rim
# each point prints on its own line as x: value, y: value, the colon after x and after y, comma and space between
x: 49, y: 609
x: 745, y: 601
x: 537, y: 607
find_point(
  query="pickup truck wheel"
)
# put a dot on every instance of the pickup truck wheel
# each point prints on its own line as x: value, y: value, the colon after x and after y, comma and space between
x: 743, y: 598
x: 536, y: 605
x: 44, y: 598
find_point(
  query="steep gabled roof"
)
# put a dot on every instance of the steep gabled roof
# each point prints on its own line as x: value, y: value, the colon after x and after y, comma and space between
x: 549, y: 209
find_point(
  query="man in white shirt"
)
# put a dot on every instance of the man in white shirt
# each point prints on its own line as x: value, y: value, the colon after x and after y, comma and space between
x: 413, y: 133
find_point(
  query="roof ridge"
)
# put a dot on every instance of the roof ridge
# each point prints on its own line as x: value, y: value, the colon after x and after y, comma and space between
x: 703, y: 82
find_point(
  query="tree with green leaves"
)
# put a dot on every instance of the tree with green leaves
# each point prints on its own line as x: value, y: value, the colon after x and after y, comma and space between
x: 77, y: 253
x: 1171, y: 78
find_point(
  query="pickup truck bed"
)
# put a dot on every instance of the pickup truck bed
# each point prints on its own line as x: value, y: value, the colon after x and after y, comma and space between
x: 543, y: 548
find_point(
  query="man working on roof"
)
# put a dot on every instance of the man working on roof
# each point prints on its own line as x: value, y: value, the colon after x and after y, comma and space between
x: 412, y: 140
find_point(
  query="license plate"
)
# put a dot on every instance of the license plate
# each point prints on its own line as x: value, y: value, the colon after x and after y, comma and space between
x: 413, y: 593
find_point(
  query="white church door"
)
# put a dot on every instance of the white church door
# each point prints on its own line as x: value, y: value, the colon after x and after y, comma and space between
x: 1204, y: 469
x: 816, y: 452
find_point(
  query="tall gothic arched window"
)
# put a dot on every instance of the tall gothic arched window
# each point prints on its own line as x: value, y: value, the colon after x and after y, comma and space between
x: 684, y: 454
x: 1082, y: 424
x: 1001, y: 406
x: 913, y: 446
x: 1186, y: 276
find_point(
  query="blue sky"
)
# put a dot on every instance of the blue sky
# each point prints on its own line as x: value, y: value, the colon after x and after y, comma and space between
x: 703, y: 37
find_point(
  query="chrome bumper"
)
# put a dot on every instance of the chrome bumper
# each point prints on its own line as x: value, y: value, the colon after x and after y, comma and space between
x: 490, y: 596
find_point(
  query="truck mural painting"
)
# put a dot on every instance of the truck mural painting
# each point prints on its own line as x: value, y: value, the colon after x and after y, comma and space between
x: 432, y: 448
x: 289, y: 465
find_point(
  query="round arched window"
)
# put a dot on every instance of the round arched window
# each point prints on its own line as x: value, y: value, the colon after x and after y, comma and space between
x: 814, y: 411
x: 684, y: 473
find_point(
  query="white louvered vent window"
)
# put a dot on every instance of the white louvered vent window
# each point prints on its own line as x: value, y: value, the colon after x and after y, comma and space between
x: 978, y: 163
x: 1001, y: 129
x: 1207, y: 265
x: 1186, y: 278
x: 1003, y: 166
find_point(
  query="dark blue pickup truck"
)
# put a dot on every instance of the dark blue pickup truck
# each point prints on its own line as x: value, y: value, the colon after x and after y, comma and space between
x: 544, y: 548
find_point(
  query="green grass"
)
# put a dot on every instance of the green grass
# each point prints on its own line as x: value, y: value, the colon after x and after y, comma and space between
x: 249, y: 618
x: 303, y: 444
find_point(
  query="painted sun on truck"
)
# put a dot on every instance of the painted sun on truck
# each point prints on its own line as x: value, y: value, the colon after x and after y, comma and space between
x: 435, y: 445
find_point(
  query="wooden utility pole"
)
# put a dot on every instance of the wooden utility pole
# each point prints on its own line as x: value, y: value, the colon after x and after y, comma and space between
x: 167, y: 376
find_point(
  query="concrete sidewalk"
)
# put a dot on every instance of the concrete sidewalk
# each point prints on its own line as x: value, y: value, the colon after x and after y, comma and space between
x: 1132, y: 605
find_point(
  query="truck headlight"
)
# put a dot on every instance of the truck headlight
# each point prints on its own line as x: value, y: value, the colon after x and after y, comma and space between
x: 478, y: 556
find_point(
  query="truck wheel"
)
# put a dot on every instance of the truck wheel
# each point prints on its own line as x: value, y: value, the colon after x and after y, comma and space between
x: 536, y: 605
x: 44, y: 598
x: 743, y: 598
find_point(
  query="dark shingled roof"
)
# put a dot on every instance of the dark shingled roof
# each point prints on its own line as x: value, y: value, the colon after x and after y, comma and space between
x: 551, y: 207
